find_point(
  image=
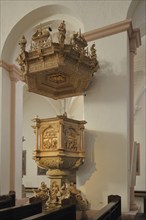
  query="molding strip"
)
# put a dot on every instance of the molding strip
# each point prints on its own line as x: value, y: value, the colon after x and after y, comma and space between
x: 15, y: 73
x: 4, y: 65
x: 112, y: 29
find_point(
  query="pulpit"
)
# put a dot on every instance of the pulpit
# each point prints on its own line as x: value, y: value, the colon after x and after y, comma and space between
x: 60, y: 150
x: 58, y: 70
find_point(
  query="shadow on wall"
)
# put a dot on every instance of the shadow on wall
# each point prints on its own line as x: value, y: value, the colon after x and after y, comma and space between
x: 109, y: 83
x: 105, y: 169
x: 89, y: 167
x: 103, y: 148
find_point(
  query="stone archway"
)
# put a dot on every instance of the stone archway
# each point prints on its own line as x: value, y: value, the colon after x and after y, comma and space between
x: 33, y: 18
x: 51, y: 13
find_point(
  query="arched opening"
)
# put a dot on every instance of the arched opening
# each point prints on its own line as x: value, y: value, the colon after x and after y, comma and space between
x: 33, y: 104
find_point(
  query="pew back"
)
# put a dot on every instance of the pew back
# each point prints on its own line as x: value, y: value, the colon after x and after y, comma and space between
x: 7, y: 200
x: 64, y: 213
x: 20, y: 212
x: 112, y: 211
x: 141, y: 216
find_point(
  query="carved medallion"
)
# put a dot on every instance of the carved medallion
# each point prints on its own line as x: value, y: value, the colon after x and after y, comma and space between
x: 57, y: 78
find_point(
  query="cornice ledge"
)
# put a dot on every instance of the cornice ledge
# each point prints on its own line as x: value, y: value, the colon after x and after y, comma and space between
x: 112, y: 29
x: 15, y: 73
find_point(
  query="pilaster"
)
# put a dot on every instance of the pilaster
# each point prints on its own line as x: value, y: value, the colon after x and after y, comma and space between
x: 134, y: 41
x: 14, y: 76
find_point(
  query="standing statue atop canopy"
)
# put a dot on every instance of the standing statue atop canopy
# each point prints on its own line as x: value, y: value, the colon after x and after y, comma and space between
x: 21, y: 59
x: 62, y: 33
x: 93, y: 51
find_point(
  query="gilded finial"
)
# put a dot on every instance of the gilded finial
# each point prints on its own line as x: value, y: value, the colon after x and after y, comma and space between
x: 22, y: 42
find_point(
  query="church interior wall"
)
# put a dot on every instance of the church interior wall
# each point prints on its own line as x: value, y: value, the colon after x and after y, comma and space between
x: 45, y: 108
x: 29, y: 15
x: 140, y: 113
x: 138, y: 16
x: 34, y: 105
x: 106, y: 113
x: 137, y: 13
x: 5, y: 91
x: 105, y: 106
x: 18, y: 133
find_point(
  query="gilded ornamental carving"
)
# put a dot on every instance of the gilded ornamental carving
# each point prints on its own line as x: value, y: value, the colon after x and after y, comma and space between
x: 56, y: 195
x: 49, y: 138
x: 57, y: 69
x: 60, y: 150
x: 71, y: 139
x: 58, y: 162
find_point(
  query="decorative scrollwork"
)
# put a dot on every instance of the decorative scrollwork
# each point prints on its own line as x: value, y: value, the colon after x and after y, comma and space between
x: 57, y: 78
x: 57, y: 194
x: 49, y: 63
x: 40, y: 39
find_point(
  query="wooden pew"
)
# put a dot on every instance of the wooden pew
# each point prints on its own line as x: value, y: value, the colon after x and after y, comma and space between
x: 141, y: 216
x: 144, y: 205
x: 7, y: 200
x: 112, y: 211
x: 64, y: 213
x: 20, y: 212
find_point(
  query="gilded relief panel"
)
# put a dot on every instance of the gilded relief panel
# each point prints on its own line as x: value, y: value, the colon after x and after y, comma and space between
x: 49, y: 137
x: 71, y: 137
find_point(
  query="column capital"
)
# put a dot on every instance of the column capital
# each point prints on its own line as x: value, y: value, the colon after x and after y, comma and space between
x: 134, y: 40
x: 14, y: 73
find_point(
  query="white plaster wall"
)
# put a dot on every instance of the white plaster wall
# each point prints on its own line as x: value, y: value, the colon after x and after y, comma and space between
x: 140, y: 112
x: 0, y: 124
x: 137, y: 13
x: 93, y: 15
x: 16, y: 10
x: 5, y: 89
x: 106, y: 167
x: 45, y: 108
x: 34, y: 105
x: 140, y: 134
x: 75, y: 107
x: 18, y: 138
